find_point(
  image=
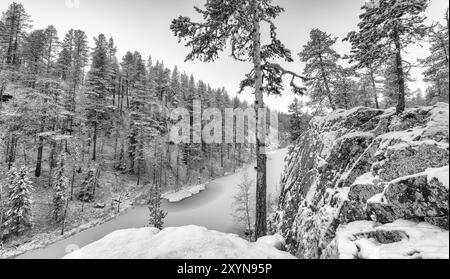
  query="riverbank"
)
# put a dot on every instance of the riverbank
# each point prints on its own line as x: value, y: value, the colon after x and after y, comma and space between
x: 211, y: 208
x: 80, y: 216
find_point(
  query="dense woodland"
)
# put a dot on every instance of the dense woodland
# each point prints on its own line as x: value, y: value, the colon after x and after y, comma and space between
x: 375, y: 73
x: 72, y: 113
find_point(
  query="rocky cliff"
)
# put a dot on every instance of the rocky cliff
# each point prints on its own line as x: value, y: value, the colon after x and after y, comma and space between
x: 364, y: 182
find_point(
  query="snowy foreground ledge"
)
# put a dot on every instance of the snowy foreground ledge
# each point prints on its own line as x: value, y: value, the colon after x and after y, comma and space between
x: 189, y: 242
x: 399, y: 240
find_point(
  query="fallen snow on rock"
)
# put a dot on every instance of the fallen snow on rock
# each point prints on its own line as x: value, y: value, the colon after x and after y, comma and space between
x: 399, y: 240
x: 441, y: 174
x: 189, y: 242
x: 366, y: 178
x: 183, y: 194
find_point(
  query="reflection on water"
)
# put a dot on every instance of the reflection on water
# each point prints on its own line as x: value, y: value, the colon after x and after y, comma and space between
x: 211, y: 208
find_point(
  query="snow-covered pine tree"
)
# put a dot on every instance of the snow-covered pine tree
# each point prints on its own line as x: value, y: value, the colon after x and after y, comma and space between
x: 390, y: 83
x: 60, y: 185
x: 18, y: 213
x: 436, y: 65
x: 156, y: 213
x: 15, y: 22
x: 345, y: 88
x: 321, y: 65
x: 298, y: 119
x: 386, y: 28
x: 51, y: 48
x: 87, y: 187
x: 98, y: 89
x: 175, y: 88
x: 239, y: 24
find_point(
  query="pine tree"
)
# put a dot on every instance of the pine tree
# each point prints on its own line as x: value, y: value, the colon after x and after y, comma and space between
x: 321, y: 64
x: 15, y: 22
x: 143, y: 127
x: 436, y: 65
x: 64, y: 61
x: 51, y: 48
x: 86, y: 193
x: 387, y: 27
x: 33, y: 56
x: 71, y: 63
x: 18, y: 214
x: 98, y: 88
x: 298, y: 119
x: 390, y: 83
x: 60, y: 185
x: 346, y: 88
x: 175, y: 87
x: 157, y: 214
x: 239, y: 24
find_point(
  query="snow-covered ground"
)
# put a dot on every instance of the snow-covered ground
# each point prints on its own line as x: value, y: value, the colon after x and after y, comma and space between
x: 399, y: 240
x: 211, y: 208
x: 184, y: 193
x: 189, y: 242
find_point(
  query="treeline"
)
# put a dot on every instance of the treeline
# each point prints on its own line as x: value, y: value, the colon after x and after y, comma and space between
x: 377, y: 75
x: 69, y: 113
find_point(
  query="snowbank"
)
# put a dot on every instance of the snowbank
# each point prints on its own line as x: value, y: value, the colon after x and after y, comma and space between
x: 189, y: 242
x: 184, y: 193
x: 399, y: 240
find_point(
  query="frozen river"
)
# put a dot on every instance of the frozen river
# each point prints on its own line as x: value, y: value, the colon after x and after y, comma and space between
x: 211, y: 208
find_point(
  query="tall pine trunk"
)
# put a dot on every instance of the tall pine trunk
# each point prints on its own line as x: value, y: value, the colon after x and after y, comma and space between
x: 261, y: 159
x: 38, y: 169
x: 374, y: 87
x: 401, y: 104
x: 2, y: 89
x: 12, y: 151
x: 9, y: 54
x: 325, y: 81
x: 94, y: 150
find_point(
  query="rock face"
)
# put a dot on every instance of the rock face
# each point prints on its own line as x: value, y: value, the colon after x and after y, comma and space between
x: 364, y: 165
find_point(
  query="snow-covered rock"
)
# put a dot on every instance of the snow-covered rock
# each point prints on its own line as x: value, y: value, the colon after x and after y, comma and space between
x: 364, y: 165
x: 177, y: 196
x: 399, y: 240
x: 189, y: 242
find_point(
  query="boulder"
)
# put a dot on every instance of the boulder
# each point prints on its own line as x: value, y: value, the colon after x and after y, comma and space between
x: 364, y: 165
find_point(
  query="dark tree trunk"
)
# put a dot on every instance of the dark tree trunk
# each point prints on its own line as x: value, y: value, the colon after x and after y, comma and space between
x: 327, y: 86
x: 38, y: 169
x: 374, y: 87
x: 401, y: 104
x: 261, y: 159
x: 12, y: 151
x: 10, y: 50
x: 94, y: 149
x: 2, y: 89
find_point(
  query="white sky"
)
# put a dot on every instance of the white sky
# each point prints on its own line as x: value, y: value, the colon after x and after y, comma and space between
x: 143, y: 25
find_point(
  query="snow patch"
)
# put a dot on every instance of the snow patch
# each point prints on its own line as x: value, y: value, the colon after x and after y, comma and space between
x: 378, y: 198
x: 365, y: 179
x: 184, y: 193
x: 402, y: 240
x: 441, y: 174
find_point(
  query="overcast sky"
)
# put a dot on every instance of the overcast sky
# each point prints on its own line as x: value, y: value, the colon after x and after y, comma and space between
x: 143, y: 25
